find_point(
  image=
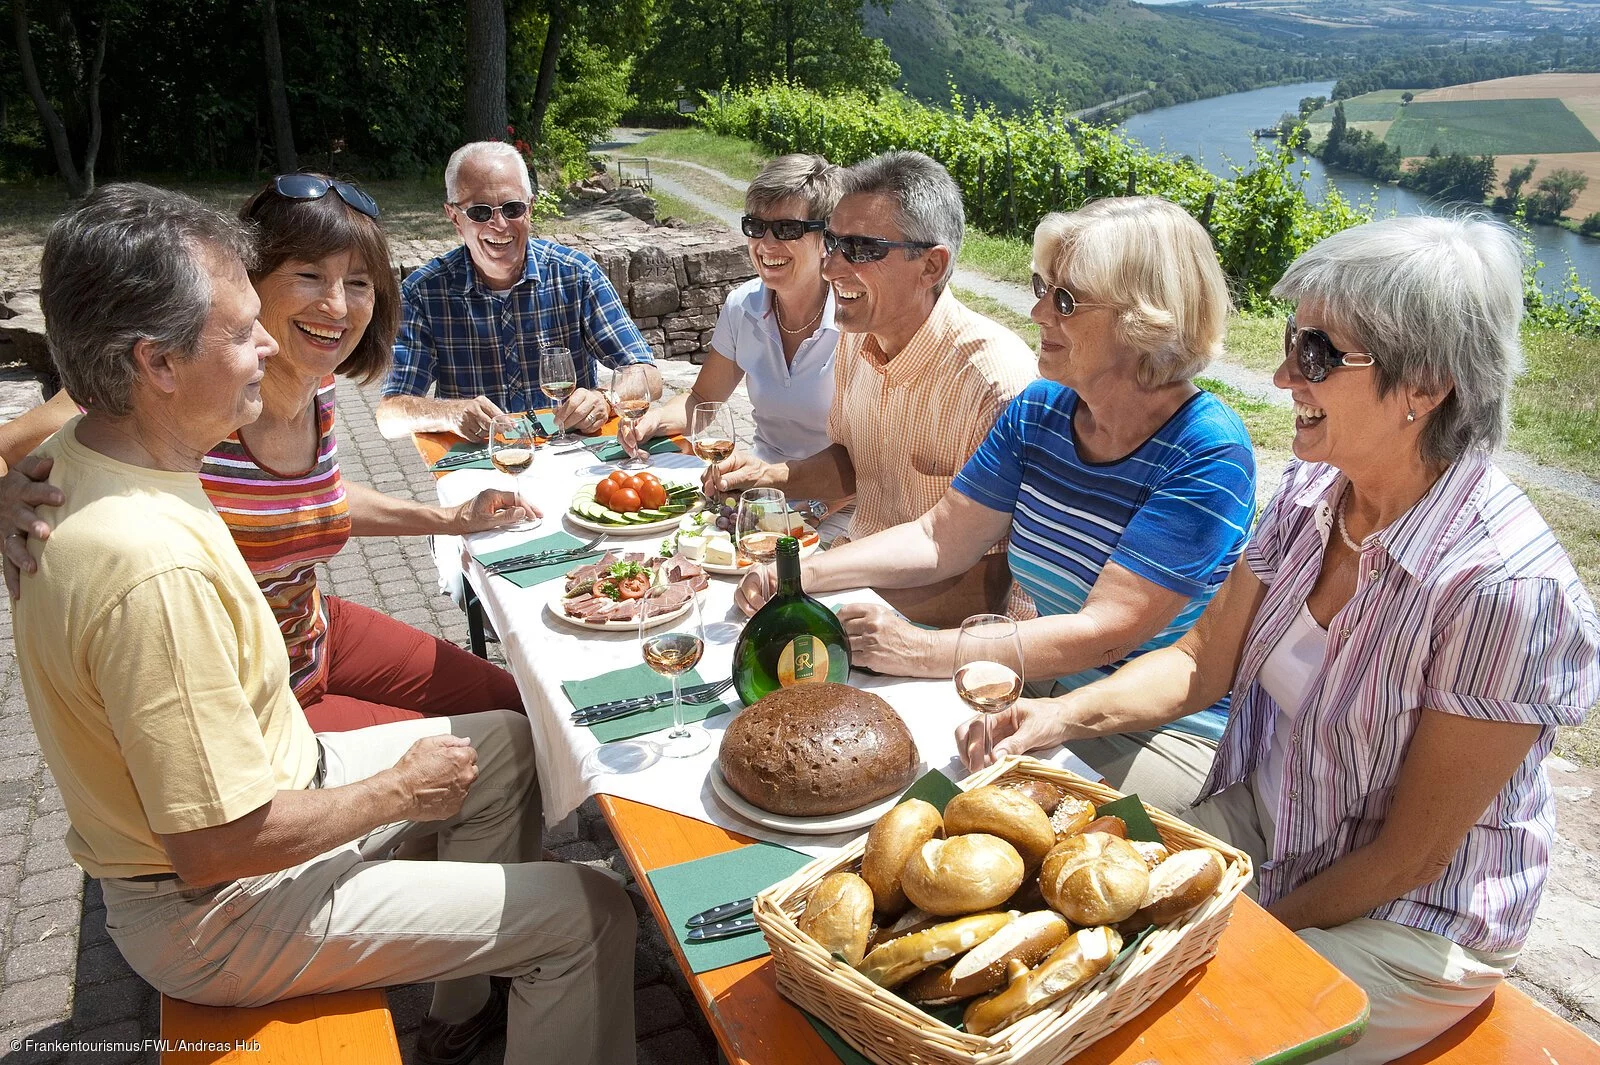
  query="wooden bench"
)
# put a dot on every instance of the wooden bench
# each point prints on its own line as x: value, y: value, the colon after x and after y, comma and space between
x: 343, y: 1028
x: 1508, y: 1029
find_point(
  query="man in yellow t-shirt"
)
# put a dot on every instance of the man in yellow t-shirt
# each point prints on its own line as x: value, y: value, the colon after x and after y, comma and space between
x: 244, y: 859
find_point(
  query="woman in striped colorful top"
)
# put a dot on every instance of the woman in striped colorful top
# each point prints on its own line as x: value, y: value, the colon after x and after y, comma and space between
x: 329, y: 298
x: 1402, y: 637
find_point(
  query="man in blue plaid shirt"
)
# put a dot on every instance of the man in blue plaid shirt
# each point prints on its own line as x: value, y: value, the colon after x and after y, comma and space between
x: 474, y: 320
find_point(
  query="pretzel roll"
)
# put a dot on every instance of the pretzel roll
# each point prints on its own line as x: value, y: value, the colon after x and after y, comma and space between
x: 894, y: 963
x: 1071, y: 816
x: 1083, y: 956
x: 1152, y: 853
x: 1094, y: 879
x: 894, y: 838
x: 838, y: 915
x: 1003, y: 812
x: 1046, y: 794
x: 1110, y: 824
x: 1028, y: 939
x: 1180, y: 884
x: 962, y: 874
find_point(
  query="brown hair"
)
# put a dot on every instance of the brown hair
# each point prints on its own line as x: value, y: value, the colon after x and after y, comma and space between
x: 308, y: 230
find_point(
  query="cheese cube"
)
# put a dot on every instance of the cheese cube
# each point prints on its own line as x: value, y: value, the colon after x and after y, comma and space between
x: 691, y: 546
x: 719, y: 552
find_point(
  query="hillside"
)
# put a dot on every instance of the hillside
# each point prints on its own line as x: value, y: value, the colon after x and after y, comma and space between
x: 1084, y: 52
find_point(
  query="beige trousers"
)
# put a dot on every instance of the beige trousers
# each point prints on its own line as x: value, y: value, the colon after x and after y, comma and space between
x: 354, y: 918
x: 1417, y: 983
x: 1164, y: 767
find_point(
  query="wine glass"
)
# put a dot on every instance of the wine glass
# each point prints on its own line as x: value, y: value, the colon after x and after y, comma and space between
x: 671, y: 652
x: 630, y: 394
x: 711, y: 431
x: 763, y: 520
x: 512, y: 442
x: 988, y: 669
x: 558, y: 377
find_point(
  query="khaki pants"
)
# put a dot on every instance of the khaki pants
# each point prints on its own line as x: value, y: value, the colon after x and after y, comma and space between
x: 353, y: 918
x: 1164, y: 767
x: 1417, y: 983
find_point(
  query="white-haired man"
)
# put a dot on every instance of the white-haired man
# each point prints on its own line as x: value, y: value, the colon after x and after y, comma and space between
x: 476, y: 319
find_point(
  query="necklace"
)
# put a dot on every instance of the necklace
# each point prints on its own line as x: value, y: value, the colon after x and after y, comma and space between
x: 1344, y: 534
x: 795, y: 332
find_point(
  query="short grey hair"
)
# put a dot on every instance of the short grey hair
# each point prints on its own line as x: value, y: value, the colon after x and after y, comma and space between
x: 1438, y: 303
x: 488, y: 150
x: 927, y: 199
x: 810, y: 177
x: 127, y: 265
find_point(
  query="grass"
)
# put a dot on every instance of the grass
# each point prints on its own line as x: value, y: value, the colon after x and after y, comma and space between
x: 734, y: 157
x: 702, y: 184
x: 1576, y: 523
x: 1002, y: 258
x: 1007, y: 317
x: 1555, y: 406
x: 669, y: 205
x: 1496, y: 127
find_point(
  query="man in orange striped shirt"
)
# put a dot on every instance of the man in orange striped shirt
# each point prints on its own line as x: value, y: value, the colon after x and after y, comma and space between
x: 919, y: 379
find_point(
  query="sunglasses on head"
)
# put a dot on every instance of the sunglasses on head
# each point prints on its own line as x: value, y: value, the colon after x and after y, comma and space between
x: 1063, y: 301
x: 867, y: 249
x: 782, y: 228
x: 480, y: 213
x: 1315, y: 355
x: 314, y: 187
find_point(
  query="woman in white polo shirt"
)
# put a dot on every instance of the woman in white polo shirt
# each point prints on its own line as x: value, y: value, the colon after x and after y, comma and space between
x: 775, y: 331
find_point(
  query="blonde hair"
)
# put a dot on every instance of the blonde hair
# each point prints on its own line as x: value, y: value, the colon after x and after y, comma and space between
x: 810, y: 177
x: 1155, y: 266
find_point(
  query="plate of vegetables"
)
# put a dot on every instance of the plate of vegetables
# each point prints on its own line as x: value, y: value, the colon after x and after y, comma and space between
x: 628, y: 503
x: 606, y: 594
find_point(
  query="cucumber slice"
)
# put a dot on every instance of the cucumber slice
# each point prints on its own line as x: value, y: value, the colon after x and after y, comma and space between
x: 654, y: 515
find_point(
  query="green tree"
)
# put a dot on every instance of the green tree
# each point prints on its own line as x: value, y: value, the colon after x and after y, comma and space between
x: 1558, y: 191
x: 81, y: 31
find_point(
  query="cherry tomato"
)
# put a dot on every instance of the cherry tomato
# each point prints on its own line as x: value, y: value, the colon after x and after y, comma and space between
x: 624, y: 501
x: 651, y: 495
x: 647, y: 478
x: 635, y: 587
x: 617, y: 477
x: 603, y: 492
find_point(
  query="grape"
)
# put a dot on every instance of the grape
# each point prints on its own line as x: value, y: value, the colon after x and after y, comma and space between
x: 724, y: 524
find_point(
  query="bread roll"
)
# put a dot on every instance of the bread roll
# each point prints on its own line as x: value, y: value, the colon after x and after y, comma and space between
x: 1003, y: 812
x: 894, y: 838
x: 1110, y: 825
x: 838, y: 915
x: 1152, y: 853
x: 1082, y: 957
x: 1046, y: 794
x: 1028, y: 939
x: 893, y: 964
x: 1180, y: 884
x: 1070, y: 817
x: 1094, y: 879
x: 963, y: 874
x: 913, y: 920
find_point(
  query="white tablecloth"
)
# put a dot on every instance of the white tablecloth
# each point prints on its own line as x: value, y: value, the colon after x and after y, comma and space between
x: 543, y: 652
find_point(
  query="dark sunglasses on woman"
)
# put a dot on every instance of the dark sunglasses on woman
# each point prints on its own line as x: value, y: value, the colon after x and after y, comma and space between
x: 782, y: 228
x: 1315, y: 355
x: 867, y: 249
x: 1063, y: 301
x: 480, y: 213
x: 315, y: 187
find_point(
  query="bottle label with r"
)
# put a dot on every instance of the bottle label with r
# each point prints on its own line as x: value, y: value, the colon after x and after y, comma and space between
x: 804, y: 660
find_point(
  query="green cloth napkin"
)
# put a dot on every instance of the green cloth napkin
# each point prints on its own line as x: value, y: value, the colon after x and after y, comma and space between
x: 1133, y: 814
x: 627, y: 683
x: 611, y: 451
x: 466, y: 447
x: 684, y: 890
x: 546, y: 421
x: 932, y: 787
x: 527, y: 578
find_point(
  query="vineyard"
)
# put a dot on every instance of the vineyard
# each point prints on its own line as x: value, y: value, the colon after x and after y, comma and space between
x: 1014, y: 170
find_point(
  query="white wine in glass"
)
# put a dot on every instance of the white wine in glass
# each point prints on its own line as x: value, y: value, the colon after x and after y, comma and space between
x: 630, y: 391
x: 988, y: 670
x: 558, y: 378
x: 763, y: 519
x: 711, y: 431
x: 512, y: 444
x: 672, y: 652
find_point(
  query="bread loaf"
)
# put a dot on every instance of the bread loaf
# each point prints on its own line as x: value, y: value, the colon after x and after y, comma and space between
x: 1004, y: 812
x: 895, y: 963
x: 817, y: 749
x: 1094, y: 879
x: 838, y: 915
x: 893, y: 839
x: 963, y: 874
x: 1083, y: 956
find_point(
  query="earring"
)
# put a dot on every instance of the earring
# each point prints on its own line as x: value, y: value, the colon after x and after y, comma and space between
x: 1411, y: 415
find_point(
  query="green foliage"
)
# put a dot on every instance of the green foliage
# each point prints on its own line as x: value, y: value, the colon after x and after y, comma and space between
x: 1358, y: 150
x: 1507, y: 127
x: 1452, y: 177
x: 1013, y: 170
x: 1591, y: 225
x: 1558, y: 191
x: 1432, y: 65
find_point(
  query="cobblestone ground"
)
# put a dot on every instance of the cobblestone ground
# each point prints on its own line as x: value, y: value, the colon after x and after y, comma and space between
x: 61, y: 978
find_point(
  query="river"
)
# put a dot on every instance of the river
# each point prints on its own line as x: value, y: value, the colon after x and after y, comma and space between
x: 1217, y: 131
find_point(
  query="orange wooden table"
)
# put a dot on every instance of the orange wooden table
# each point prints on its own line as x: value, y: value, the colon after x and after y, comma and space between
x: 1266, y: 997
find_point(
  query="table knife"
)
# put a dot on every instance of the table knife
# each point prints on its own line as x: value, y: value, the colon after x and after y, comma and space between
x: 723, y: 929
x: 637, y: 701
x: 638, y: 707
x: 722, y: 912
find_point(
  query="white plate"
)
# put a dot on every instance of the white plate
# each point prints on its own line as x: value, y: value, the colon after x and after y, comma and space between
x: 628, y: 530
x: 553, y: 608
x: 737, y: 570
x: 825, y: 825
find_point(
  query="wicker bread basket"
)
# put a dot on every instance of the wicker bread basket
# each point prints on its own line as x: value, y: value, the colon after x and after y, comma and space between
x: 891, y: 1031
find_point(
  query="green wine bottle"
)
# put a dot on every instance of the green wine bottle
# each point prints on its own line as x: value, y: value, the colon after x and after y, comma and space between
x: 793, y: 639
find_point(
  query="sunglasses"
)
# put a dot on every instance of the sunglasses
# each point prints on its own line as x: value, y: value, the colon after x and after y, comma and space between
x: 1063, y: 301
x: 867, y: 249
x: 782, y: 228
x: 313, y: 187
x: 480, y: 213
x: 1315, y: 355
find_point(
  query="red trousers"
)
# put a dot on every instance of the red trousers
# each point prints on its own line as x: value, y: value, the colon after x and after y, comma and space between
x: 383, y: 670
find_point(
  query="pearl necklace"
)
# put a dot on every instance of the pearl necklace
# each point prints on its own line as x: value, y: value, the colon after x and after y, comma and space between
x: 796, y: 332
x: 1344, y: 534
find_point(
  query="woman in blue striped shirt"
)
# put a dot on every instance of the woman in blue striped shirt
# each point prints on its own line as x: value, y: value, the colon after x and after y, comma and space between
x: 1402, y: 638
x: 1126, y: 491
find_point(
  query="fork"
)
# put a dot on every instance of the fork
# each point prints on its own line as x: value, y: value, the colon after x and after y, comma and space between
x: 543, y: 558
x: 692, y: 698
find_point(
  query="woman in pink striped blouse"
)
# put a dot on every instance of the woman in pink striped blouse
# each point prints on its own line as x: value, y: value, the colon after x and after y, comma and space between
x: 1402, y: 638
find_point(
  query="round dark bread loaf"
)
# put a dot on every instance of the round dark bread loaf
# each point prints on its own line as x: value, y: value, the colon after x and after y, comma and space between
x: 817, y: 749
